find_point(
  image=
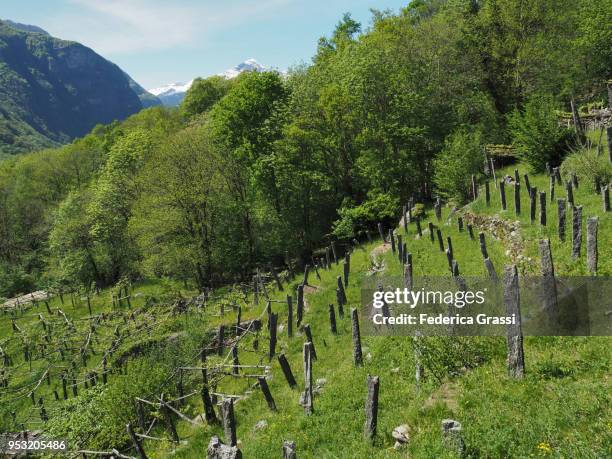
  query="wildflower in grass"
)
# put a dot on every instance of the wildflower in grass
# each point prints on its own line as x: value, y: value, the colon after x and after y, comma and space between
x: 544, y: 448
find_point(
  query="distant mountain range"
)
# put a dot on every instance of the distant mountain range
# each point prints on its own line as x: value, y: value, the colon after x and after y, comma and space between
x: 172, y: 94
x: 53, y: 90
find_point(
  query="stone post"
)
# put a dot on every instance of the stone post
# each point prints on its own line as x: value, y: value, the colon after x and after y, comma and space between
x: 576, y: 231
x: 561, y: 205
x: 357, y: 355
x: 516, y: 357
x: 591, y: 244
x: 371, y: 408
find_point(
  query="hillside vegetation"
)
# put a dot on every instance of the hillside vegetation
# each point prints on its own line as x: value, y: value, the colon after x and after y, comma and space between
x: 52, y: 90
x: 152, y: 232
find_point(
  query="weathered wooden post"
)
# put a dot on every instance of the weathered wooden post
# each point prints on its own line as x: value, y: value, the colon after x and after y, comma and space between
x: 404, y: 219
x: 229, y: 420
x: 460, y: 224
x: 576, y: 231
x: 557, y: 173
x: 284, y: 364
x: 357, y: 355
x: 450, y: 260
x: 306, y: 273
x: 591, y: 244
x: 532, y: 204
x: 235, y: 362
x: 307, y: 398
x: 561, y: 205
x: 265, y: 389
x: 273, y: 324
x: 452, y: 437
x: 168, y: 420
x: 570, y: 192
x: 256, y: 290
x: 502, y: 193
x: 279, y: 284
x: 335, y: 254
x: 300, y: 304
x: 140, y: 415
x: 527, y: 185
x: 43, y: 413
x: 289, y: 450
x: 490, y: 269
x: 470, y: 231
x: 483, y: 245
x: 136, y: 442
x: 449, y: 243
x: 440, y: 241
x: 209, y: 408
x: 392, y: 239
x: 308, y: 333
x: 474, y: 188
x: 408, y: 276
x: 549, y: 284
x: 487, y: 194
x: 605, y: 194
x: 609, y: 138
x: 574, y: 179
x: 371, y: 408
x: 438, y: 209
x: 341, y: 295
x: 542, y: 196
x: 417, y: 222
x: 400, y: 248
x: 220, y: 339
x: 516, y: 357
x: 517, y: 198
x: 551, y: 188
x: 64, y: 387
x: 289, y: 316
x: 332, y: 319
x: 346, y: 270
x: 431, y: 231
x: 327, y: 258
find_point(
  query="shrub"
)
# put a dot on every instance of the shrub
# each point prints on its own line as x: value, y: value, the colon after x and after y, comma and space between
x: 98, y: 416
x: 14, y: 281
x: 379, y: 207
x: 457, y: 162
x: 588, y: 167
x: 537, y: 136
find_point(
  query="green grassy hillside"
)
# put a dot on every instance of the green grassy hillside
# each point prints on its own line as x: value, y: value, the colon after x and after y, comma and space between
x: 560, y: 409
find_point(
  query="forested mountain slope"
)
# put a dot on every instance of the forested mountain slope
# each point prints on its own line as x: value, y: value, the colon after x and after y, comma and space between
x: 52, y: 90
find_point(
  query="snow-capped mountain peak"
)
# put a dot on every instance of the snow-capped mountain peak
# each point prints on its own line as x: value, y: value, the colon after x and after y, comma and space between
x: 172, y: 94
x: 171, y: 88
x: 250, y: 65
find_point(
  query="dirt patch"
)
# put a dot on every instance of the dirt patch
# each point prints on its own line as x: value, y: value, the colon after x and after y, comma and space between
x: 446, y: 394
x: 308, y: 289
x: 40, y: 295
x: 506, y: 231
x: 380, y: 249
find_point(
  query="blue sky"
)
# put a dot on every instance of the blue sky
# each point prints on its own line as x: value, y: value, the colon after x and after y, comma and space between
x: 164, y: 41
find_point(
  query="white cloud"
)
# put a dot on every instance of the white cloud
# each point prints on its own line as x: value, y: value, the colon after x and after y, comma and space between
x: 113, y: 27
